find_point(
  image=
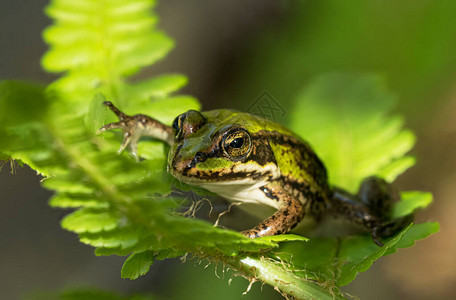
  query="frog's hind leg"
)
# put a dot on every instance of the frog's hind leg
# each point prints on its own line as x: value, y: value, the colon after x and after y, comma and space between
x: 371, y: 208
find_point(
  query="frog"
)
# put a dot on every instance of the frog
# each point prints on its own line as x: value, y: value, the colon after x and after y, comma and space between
x: 245, y: 158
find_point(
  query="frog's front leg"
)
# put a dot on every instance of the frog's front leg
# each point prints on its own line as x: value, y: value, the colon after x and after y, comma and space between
x: 290, y: 213
x: 136, y: 126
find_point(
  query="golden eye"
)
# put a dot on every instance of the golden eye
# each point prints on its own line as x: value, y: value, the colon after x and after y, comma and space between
x: 237, y: 143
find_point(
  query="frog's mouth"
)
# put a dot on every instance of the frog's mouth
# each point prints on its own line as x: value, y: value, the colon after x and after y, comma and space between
x: 241, y: 182
x: 220, y: 171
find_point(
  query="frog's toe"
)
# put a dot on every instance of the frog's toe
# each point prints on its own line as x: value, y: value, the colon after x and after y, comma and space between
x: 126, y: 123
x: 115, y: 110
x: 390, y: 228
x: 125, y: 142
x: 110, y: 126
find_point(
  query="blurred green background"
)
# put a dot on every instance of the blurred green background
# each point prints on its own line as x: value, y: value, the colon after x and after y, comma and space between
x: 233, y: 51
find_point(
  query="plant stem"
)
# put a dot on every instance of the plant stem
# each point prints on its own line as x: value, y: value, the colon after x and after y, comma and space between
x: 281, y: 278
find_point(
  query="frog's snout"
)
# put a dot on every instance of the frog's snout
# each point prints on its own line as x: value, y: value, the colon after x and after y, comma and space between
x: 183, y: 165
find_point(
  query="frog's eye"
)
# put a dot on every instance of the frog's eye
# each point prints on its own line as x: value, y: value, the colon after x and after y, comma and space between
x: 237, y: 143
x: 178, y: 125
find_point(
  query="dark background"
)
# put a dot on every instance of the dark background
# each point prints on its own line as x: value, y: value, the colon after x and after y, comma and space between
x: 232, y: 51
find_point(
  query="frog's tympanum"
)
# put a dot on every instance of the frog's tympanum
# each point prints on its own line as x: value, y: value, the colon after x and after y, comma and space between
x: 245, y: 158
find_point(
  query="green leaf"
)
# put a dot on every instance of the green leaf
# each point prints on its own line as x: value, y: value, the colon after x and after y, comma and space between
x: 410, y: 202
x: 157, y: 87
x: 89, y: 294
x: 137, y: 264
x: 395, y: 168
x: 98, y: 45
x: 15, y: 108
x: 67, y: 200
x: 344, y: 117
x: 122, y: 238
x: 283, y: 238
x: 358, y: 253
x: 84, y: 293
x: 359, y: 257
x: 416, y: 232
x: 314, y: 258
x: 341, y: 259
x: 137, y: 53
x: 92, y: 221
x: 68, y: 185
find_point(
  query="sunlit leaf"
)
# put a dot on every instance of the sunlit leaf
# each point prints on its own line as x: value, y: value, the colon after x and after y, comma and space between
x: 410, y: 202
x: 345, y: 119
x: 87, y: 220
x: 137, y: 264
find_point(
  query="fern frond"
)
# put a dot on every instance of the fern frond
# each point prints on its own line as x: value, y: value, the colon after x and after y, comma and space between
x: 97, y: 44
x: 124, y: 207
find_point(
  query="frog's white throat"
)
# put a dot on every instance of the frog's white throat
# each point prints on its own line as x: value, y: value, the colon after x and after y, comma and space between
x: 245, y: 193
x: 247, y: 189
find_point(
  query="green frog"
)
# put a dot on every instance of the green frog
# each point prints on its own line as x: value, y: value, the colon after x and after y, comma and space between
x: 248, y: 159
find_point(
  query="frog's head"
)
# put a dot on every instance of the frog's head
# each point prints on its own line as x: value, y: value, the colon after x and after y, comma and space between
x: 221, y: 147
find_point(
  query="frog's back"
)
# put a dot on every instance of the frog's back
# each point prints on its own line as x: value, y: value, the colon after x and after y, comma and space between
x: 302, y: 171
x: 252, y: 123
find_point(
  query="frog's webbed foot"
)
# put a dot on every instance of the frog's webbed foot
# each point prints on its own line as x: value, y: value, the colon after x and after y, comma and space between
x: 285, y: 218
x: 134, y: 127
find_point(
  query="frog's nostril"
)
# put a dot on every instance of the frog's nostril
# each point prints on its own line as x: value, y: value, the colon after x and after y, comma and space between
x: 200, y: 156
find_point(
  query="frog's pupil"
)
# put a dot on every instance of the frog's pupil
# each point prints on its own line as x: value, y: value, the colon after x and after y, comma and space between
x: 237, y: 143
